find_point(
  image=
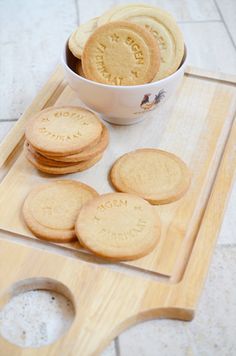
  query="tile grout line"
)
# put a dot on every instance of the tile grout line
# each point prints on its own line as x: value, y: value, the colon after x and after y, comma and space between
x: 225, y: 25
x: 117, y: 346
x: 8, y: 120
x: 199, y: 21
x: 226, y: 245
x: 77, y: 12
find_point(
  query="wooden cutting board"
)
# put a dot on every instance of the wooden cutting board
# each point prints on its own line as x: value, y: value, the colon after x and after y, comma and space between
x: 201, y: 130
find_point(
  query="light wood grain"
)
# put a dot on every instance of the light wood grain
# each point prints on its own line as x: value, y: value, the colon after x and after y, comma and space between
x: 197, y: 133
x: 21, y: 78
x: 104, y: 300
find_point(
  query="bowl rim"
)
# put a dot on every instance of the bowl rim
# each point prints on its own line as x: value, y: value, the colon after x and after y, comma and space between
x: 116, y: 87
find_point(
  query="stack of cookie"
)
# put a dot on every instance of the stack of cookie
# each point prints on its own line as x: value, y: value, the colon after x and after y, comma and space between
x: 128, y: 45
x: 65, y: 140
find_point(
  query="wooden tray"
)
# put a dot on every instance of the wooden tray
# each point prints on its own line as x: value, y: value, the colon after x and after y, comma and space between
x: 199, y: 129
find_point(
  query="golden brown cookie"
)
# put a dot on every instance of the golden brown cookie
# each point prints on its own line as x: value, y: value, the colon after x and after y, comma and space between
x: 121, y: 53
x: 63, y: 131
x: 88, y: 153
x: 118, y: 226
x: 79, y: 69
x: 77, y: 167
x: 44, y: 160
x: 163, y: 27
x: 155, y: 175
x: 80, y: 36
x: 50, y: 210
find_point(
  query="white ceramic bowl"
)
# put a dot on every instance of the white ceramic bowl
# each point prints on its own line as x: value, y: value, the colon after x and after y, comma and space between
x: 122, y: 105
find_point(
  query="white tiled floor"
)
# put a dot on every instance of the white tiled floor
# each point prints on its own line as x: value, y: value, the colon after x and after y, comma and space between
x: 209, y: 334
x: 32, y: 34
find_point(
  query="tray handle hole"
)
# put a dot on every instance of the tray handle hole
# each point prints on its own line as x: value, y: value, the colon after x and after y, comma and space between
x: 36, y: 312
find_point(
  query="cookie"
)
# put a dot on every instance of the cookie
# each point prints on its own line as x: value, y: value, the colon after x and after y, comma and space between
x: 44, y: 160
x: 50, y: 210
x: 89, y: 152
x: 80, y: 36
x: 155, y: 175
x: 63, y: 131
x: 107, y: 15
x: 163, y: 27
x: 121, y: 53
x: 118, y: 226
x: 79, y: 69
x: 78, y: 167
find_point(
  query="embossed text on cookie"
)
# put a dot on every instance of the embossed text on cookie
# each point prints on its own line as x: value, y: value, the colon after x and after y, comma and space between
x: 101, y: 67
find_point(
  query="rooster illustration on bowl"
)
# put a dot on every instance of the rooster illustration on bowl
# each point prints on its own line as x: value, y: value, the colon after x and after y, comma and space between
x: 147, y: 104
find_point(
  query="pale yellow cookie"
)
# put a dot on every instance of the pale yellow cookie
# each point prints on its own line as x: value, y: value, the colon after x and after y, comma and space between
x: 63, y: 131
x: 77, y: 167
x: 155, y: 175
x: 164, y: 28
x: 80, y: 36
x: 121, y: 53
x: 50, y: 210
x: 118, y: 226
x: 106, y: 16
x: 88, y: 153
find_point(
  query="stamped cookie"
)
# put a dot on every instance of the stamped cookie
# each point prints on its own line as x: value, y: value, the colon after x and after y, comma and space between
x: 77, y: 167
x: 88, y: 153
x: 118, y: 226
x: 63, y: 131
x: 157, y: 176
x: 163, y: 27
x: 50, y: 210
x: 121, y: 53
x: 80, y: 36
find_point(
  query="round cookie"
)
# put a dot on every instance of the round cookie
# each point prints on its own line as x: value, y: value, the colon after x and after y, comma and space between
x: 79, y: 167
x: 79, y: 69
x: 50, y: 210
x: 63, y: 131
x: 118, y: 226
x: 88, y: 153
x: 44, y: 160
x: 155, y: 175
x: 121, y: 53
x: 163, y: 27
x: 80, y: 36
x: 107, y: 15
